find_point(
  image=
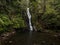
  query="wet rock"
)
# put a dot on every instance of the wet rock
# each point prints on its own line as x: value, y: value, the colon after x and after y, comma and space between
x: 58, y: 34
x: 55, y: 35
x: 6, y: 36
x: 43, y: 41
x: 13, y: 32
x: 35, y: 44
x: 0, y: 41
x: 10, y: 41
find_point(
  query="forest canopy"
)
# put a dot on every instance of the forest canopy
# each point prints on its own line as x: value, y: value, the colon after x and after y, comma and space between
x: 45, y: 14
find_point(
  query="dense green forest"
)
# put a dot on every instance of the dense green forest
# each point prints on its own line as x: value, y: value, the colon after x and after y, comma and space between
x: 29, y: 22
x: 45, y: 14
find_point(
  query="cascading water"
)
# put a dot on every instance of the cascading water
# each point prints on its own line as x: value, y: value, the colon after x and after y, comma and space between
x: 29, y: 17
x: 31, y: 28
x: 30, y: 24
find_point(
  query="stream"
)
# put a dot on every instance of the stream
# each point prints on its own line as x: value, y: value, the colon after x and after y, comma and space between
x: 33, y: 38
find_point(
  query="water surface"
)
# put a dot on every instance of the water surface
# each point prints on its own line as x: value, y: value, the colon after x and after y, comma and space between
x: 34, y: 38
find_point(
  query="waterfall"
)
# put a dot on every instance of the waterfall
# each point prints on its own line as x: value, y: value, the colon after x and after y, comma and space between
x: 29, y: 17
x: 30, y: 24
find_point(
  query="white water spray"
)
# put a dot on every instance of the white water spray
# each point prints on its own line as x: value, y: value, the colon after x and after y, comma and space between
x: 29, y: 17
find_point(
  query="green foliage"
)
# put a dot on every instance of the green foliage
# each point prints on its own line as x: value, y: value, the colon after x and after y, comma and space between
x: 45, y: 11
x: 18, y: 22
x: 6, y: 23
x: 10, y: 17
x: 4, y: 20
x: 50, y: 16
